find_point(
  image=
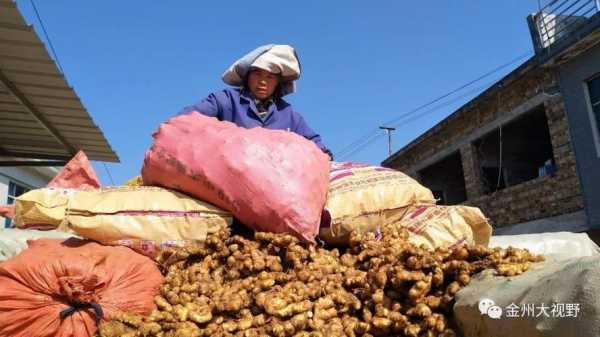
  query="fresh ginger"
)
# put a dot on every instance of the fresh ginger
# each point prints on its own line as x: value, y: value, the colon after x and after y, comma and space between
x: 274, y: 285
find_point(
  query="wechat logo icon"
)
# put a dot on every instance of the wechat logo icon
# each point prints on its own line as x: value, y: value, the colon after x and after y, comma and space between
x: 488, y: 307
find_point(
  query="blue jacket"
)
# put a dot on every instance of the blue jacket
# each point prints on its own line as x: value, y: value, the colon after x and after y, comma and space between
x: 236, y: 106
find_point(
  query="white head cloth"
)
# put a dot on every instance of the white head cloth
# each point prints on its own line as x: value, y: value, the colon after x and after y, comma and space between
x: 275, y: 58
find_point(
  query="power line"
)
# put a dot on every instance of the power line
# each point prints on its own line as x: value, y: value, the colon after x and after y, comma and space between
x: 489, y: 73
x: 365, y: 140
x: 364, y: 146
x: 368, y: 137
x: 369, y: 140
x: 437, y: 107
x: 359, y: 140
x: 417, y: 117
x: 37, y: 14
x: 112, y: 182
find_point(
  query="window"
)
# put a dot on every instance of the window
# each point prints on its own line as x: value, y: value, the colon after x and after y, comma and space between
x: 14, y: 190
x: 593, y: 91
x: 446, y: 180
x: 516, y: 152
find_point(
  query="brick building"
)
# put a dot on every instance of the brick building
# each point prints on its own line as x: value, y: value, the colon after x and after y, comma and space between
x: 526, y: 150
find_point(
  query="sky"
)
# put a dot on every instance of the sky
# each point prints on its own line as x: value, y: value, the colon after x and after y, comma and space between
x: 134, y: 64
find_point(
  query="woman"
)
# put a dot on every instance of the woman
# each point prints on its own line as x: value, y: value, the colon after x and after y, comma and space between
x: 260, y: 79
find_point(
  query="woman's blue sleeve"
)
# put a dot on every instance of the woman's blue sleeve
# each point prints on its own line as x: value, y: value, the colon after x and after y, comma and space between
x: 301, y: 127
x: 208, y: 107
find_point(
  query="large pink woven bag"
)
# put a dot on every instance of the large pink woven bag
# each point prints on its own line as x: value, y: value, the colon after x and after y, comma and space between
x: 271, y: 180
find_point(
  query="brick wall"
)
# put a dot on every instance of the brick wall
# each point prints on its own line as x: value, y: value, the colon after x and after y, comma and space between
x: 534, y: 199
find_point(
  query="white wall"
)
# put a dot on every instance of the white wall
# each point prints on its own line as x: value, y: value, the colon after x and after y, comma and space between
x: 3, y: 192
x: 31, y: 177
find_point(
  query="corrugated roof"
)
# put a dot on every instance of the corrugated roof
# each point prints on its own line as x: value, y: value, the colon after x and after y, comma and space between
x: 40, y: 114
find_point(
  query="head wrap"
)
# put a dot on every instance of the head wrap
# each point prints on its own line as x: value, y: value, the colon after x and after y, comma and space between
x: 275, y: 58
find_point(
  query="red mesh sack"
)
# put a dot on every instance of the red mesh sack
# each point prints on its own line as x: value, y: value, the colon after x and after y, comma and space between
x: 271, y: 180
x: 63, y: 288
x: 78, y: 173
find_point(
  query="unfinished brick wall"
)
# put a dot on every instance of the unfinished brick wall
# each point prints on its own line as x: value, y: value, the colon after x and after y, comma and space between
x: 538, y: 198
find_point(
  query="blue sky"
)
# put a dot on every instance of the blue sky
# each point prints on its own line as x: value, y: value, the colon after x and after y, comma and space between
x: 136, y: 63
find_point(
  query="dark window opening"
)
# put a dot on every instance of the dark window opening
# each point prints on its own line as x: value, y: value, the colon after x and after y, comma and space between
x: 446, y: 180
x: 594, y: 92
x: 517, y: 152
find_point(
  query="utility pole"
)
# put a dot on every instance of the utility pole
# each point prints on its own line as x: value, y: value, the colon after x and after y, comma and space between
x: 388, y: 130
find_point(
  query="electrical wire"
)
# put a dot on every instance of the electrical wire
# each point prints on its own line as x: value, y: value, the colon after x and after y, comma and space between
x: 417, y: 117
x: 356, y: 143
x: 499, y: 159
x: 363, y: 141
x: 112, y: 182
x: 368, y: 137
x: 487, y: 74
x: 475, y: 90
x: 499, y: 145
x: 364, y: 146
x: 414, y: 118
x: 37, y: 14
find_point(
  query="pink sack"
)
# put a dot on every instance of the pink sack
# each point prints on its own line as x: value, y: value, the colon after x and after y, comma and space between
x: 271, y: 180
x: 78, y: 173
x: 7, y: 211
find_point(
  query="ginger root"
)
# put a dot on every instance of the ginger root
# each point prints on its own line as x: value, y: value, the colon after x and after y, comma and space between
x: 274, y: 285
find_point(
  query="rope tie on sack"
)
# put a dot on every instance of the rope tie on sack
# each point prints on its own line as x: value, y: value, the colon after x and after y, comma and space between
x: 78, y: 305
x: 79, y: 293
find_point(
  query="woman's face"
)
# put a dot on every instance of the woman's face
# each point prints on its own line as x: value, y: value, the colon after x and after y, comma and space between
x: 262, y: 83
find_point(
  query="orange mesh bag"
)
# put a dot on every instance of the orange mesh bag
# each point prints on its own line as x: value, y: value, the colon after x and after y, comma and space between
x: 61, y: 288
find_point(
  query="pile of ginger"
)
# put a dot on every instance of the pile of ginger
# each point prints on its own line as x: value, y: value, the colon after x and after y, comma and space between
x: 273, y: 285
